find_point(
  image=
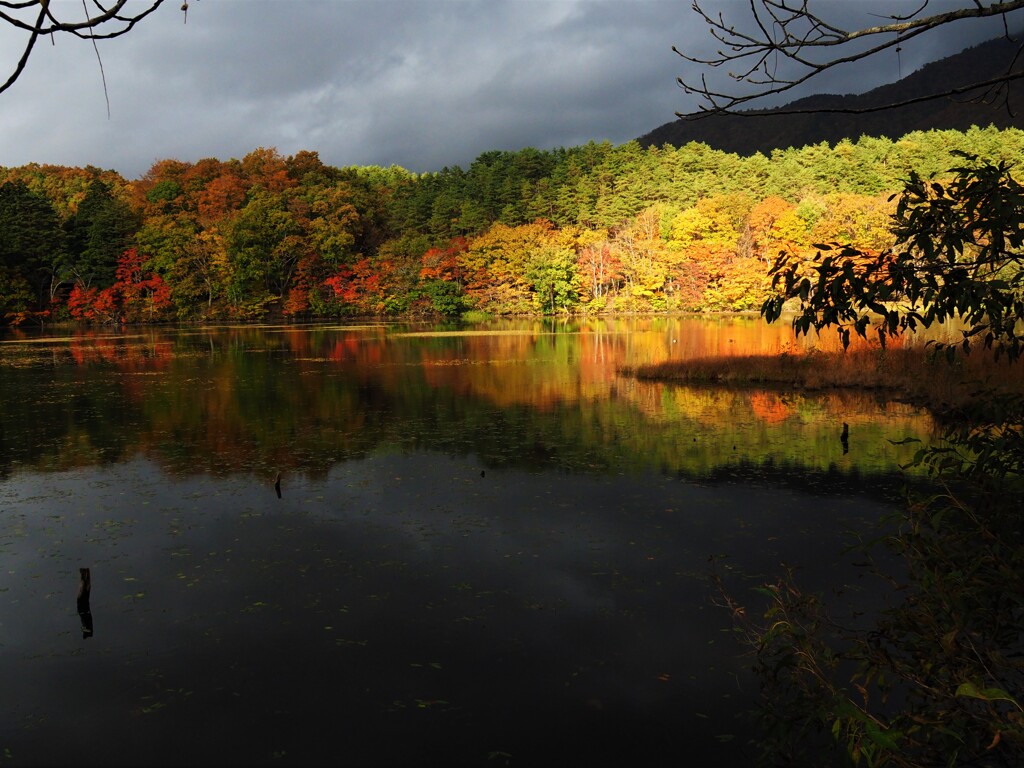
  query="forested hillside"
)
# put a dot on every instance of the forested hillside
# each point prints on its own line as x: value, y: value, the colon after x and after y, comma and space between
x: 595, y: 228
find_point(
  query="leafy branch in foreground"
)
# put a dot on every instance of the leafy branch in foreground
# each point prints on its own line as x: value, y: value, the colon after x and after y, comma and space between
x: 939, y: 677
x: 936, y: 681
x: 958, y: 254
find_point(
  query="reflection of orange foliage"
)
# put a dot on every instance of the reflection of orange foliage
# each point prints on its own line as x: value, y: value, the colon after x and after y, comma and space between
x: 540, y: 367
x: 354, y: 350
x: 770, y: 408
x: 298, y: 340
x: 95, y: 349
x: 505, y: 369
x: 127, y: 353
x: 331, y: 409
x: 341, y: 347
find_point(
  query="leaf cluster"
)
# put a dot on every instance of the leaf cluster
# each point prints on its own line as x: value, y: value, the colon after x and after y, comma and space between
x: 939, y: 678
x: 958, y: 254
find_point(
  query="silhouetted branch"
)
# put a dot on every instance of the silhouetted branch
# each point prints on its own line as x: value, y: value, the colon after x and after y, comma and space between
x: 101, y: 21
x: 788, y: 32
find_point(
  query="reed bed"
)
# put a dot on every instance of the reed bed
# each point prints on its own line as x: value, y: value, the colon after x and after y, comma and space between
x: 918, y: 375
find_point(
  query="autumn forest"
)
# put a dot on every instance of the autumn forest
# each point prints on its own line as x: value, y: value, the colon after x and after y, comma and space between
x: 590, y: 229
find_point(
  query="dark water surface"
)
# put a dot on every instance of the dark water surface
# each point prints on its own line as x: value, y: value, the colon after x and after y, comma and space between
x: 489, y: 547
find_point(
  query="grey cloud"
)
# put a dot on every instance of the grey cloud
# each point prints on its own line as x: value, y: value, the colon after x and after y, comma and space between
x: 418, y: 83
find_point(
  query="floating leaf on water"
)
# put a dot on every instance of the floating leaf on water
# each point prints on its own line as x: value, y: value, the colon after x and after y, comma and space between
x: 425, y: 704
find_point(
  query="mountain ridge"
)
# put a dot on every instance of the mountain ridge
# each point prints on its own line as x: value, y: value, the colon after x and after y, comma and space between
x: 762, y: 131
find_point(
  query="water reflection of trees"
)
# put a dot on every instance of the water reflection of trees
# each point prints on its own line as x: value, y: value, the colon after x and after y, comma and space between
x: 535, y: 394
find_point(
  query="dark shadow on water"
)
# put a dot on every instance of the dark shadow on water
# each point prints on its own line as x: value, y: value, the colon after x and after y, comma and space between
x: 491, y: 549
x: 407, y: 610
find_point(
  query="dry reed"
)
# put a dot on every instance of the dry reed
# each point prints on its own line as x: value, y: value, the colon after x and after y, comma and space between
x: 918, y: 375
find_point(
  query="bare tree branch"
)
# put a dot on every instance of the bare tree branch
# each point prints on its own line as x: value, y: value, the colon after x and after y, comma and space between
x: 787, y: 35
x: 103, y: 20
x: 20, y: 66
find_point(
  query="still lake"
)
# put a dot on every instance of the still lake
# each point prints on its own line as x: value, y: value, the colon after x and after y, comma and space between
x: 490, y: 547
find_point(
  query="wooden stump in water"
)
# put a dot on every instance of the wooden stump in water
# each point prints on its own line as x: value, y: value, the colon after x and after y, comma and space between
x: 82, y: 603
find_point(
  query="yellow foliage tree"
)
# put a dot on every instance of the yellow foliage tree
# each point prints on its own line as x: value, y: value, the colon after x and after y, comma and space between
x: 496, y: 266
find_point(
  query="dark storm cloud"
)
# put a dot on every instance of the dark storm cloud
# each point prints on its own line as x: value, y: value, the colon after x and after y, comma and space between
x: 420, y: 83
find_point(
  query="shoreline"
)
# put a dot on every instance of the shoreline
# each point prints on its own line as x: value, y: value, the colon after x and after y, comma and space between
x: 919, y: 376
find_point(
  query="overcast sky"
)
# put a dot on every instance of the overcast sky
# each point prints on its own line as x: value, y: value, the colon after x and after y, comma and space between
x: 417, y: 83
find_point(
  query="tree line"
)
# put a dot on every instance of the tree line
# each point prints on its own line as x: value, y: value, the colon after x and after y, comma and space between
x: 595, y: 228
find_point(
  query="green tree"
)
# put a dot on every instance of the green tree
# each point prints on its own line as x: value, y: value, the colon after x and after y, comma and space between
x: 552, y: 273
x: 200, y: 275
x: 15, y: 296
x: 163, y: 238
x: 647, y: 262
x: 100, y: 230
x: 333, y: 223
x: 264, y: 245
x: 32, y: 242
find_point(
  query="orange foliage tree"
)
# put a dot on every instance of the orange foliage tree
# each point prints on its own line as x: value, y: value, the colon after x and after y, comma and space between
x: 142, y: 295
x: 441, y: 277
x: 136, y: 295
x: 775, y: 228
x: 600, y: 270
x: 705, y: 237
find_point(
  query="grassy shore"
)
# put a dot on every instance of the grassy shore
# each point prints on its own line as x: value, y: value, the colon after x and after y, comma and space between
x: 916, y: 375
